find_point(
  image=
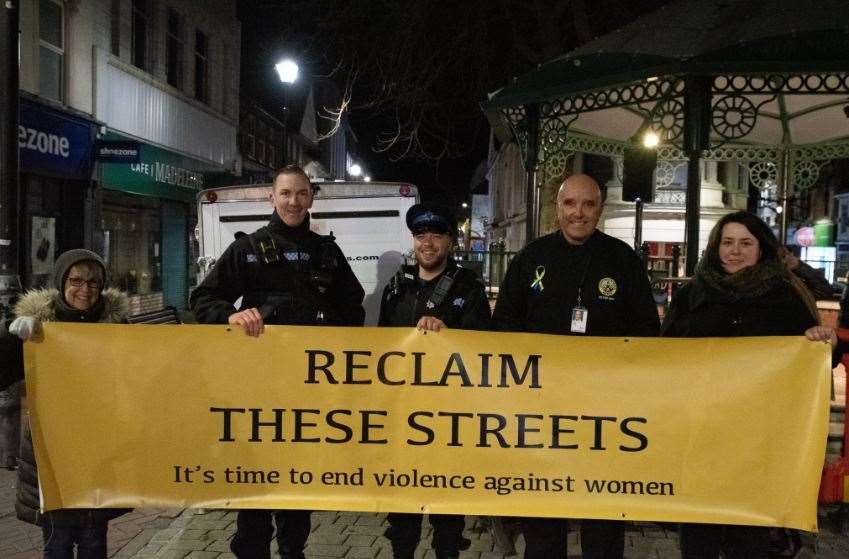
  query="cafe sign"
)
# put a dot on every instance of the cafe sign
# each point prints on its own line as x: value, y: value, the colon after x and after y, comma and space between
x: 169, y: 174
x: 160, y: 173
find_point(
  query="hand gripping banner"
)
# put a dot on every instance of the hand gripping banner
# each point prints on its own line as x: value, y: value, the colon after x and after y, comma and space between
x: 390, y: 419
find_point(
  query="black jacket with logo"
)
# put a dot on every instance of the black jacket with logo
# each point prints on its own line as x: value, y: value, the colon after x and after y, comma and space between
x: 614, y: 285
x: 465, y: 306
x: 310, y: 283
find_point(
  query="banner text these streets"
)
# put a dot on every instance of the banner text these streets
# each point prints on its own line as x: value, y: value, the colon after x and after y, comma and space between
x: 429, y: 427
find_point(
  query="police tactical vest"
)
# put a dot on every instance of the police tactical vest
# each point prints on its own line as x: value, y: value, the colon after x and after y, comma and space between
x: 292, y: 282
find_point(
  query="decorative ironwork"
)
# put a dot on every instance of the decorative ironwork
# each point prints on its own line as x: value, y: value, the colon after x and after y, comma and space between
x: 595, y: 146
x: 734, y: 116
x: 514, y: 118
x: 671, y: 197
x: 763, y: 174
x: 553, y: 134
x: 621, y: 96
x: 805, y: 174
x: 514, y: 115
x: 727, y: 152
x: 834, y: 82
x: 667, y: 119
x: 555, y: 165
x: 819, y: 152
x: 664, y: 174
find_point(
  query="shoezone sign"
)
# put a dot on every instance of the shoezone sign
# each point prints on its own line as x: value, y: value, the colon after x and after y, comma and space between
x: 390, y: 419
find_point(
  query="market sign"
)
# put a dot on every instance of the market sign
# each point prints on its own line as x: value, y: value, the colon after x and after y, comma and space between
x: 54, y: 143
x: 160, y: 173
x: 396, y: 420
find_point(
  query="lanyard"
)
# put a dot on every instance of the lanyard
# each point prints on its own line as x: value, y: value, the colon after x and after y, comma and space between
x: 584, y: 275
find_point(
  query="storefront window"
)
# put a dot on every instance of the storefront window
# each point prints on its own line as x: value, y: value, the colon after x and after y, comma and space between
x: 132, y: 234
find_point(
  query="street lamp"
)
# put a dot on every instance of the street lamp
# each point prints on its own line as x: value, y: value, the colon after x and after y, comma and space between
x: 287, y: 69
x: 355, y: 170
x: 650, y: 140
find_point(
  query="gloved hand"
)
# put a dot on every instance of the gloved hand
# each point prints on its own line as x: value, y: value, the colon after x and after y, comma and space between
x: 25, y: 327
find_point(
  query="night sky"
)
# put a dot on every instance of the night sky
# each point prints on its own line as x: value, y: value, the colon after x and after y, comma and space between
x: 419, y: 68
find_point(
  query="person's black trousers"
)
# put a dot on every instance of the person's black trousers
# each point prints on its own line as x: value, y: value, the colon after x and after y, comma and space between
x: 545, y: 538
x: 602, y: 539
x: 705, y: 541
x: 405, y: 531
x: 254, y: 532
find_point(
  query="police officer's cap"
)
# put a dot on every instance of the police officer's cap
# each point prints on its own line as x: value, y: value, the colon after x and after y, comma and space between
x: 431, y: 217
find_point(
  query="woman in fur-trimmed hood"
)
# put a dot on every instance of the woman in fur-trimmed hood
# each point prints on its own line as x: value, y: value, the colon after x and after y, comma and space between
x: 84, y: 302
x: 77, y: 295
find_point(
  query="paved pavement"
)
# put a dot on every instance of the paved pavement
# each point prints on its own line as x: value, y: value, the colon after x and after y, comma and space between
x: 186, y: 534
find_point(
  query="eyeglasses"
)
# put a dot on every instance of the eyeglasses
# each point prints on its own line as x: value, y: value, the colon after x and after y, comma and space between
x: 79, y: 282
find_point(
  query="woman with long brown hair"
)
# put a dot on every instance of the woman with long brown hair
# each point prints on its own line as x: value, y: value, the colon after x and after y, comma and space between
x: 742, y: 287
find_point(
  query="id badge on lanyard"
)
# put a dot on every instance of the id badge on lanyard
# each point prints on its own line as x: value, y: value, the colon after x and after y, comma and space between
x: 579, y: 317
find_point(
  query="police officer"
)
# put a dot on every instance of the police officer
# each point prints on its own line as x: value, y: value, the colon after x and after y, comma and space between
x: 434, y: 293
x: 285, y: 274
x: 576, y: 281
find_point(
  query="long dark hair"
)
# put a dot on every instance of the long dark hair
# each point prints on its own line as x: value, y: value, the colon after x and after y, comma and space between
x: 771, y: 251
x: 769, y: 246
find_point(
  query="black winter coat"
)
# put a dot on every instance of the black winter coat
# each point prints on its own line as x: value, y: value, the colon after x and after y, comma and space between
x: 11, y: 358
x: 699, y: 311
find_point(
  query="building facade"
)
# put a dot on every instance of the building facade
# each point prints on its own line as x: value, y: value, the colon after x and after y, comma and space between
x: 313, y: 137
x: 129, y: 108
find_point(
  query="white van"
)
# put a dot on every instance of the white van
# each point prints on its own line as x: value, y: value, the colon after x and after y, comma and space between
x: 367, y: 219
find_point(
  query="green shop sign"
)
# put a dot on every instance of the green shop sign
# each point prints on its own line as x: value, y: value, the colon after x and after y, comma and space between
x: 161, y: 173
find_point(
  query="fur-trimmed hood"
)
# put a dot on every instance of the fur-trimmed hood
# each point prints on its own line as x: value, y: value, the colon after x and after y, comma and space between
x: 42, y: 304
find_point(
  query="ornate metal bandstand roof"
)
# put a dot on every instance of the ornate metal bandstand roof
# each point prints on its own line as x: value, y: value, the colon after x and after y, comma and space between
x: 774, y: 77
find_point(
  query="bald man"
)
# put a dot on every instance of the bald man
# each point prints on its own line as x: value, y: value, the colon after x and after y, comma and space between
x: 576, y: 281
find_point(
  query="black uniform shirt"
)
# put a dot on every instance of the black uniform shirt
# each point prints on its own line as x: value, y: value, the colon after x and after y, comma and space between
x: 464, y: 306
x: 614, y: 288
x: 287, y: 285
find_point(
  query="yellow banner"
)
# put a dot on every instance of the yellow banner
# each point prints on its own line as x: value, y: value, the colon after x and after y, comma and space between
x: 390, y: 419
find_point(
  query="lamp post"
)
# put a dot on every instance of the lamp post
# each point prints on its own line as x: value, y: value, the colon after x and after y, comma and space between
x: 287, y: 70
x: 11, y: 252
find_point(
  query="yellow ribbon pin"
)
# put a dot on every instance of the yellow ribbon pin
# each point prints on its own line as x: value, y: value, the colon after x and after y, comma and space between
x: 537, y: 283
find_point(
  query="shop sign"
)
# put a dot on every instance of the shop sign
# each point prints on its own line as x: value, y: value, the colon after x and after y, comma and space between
x: 805, y: 236
x: 158, y: 172
x: 54, y: 143
x: 117, y: 152
x: 169, y: 174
